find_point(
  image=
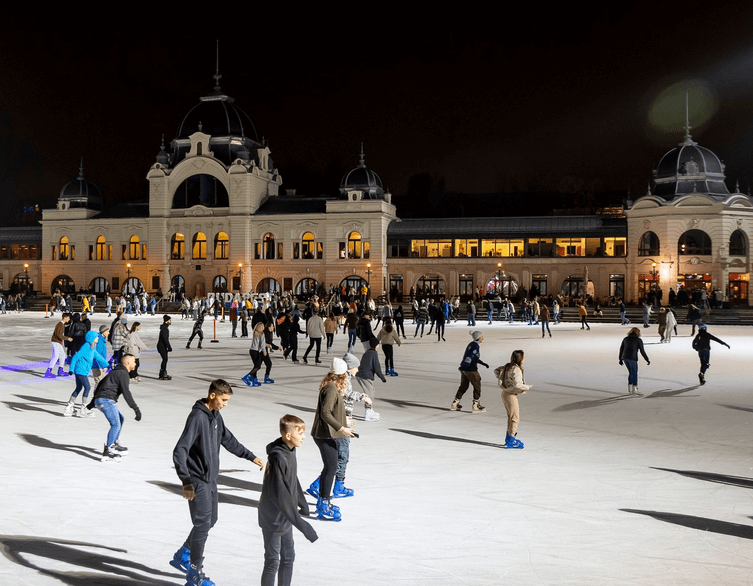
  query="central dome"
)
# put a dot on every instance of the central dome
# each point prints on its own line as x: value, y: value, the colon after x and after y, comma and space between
x: 689, y: 168
x: 362, y: 179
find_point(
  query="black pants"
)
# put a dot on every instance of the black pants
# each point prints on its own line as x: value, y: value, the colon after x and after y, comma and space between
x: 203, y: 509
x: 388, y: 361
x: 328, y: 450
x: 279, y: 555
x: 312, y: 341
x: 400, y: 328
x: 196, y: 333
x: 258, y: 358
x: 163, y: 365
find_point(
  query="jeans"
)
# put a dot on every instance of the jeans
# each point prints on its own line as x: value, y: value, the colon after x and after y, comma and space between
x: 352, y: 337
x: 420, y: 324
x: 471, y: 319
x: 113, y: 416
x: 82, y: 382
x: 705, y: 357
x: 279, y: 555
x: 632, y: 367
x: 343, y: 455
x: 545, y: 323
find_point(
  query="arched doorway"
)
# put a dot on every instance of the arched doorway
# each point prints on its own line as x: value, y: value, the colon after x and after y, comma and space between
x: 430, y: 286
x: 219, y: 284
x: 504, y: 286
x: 306, y: 288
x: 132, y: 285
x: 269, y: 285
x: 63, y: 284
x: 99, y: 285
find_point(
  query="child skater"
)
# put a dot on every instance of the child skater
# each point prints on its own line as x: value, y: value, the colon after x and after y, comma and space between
x: 511, y: 381
x: 282, y: 503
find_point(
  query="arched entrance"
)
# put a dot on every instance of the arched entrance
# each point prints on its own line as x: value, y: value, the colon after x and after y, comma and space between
x: 504, y: 286
x: 306, y: 288
x: 269, y: 285
x: 63, y: 284
x: 219, y: 284
x: 132, y: 285
x: 430, y: 286
x: 99, y: 285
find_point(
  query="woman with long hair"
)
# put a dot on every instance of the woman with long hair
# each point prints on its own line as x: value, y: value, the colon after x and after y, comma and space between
x: 134, y: 345
x: 629, y: 349
x: 330, y: 423
x: 387, y: 337
x: 512, y: 382
x: 258, y: 352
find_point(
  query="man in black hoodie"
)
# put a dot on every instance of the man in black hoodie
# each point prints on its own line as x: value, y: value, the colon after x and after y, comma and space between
x: 282, y: 503
x: 197, y: 463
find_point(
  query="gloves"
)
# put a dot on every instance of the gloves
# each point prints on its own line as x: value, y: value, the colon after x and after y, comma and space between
x: 648, y: 362
x: 621, y: 363
x: 138, y: 415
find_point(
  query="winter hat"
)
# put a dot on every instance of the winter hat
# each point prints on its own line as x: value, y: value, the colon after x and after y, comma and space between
x: 476, y: 335
x: 338, y: 366
x: 373, y: 342
x: 351, y: 361
x: 103, y: 329
x: 166, y: 318
x: 702, y: 327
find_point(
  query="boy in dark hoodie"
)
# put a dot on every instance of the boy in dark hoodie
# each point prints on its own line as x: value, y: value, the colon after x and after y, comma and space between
x: 197, y: 462
x: 282, y: 503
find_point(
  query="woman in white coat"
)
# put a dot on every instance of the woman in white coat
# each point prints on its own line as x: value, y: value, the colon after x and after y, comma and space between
x: 512, y: 382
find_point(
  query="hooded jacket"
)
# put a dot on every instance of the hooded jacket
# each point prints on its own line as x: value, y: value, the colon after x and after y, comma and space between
x: 282, y: 500
x: 81, y: 363
x: 197, y: 454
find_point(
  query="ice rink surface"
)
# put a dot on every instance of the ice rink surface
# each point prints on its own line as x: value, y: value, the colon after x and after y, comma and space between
x: 610, y: 489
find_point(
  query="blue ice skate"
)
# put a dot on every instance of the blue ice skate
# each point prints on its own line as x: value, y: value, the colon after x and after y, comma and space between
x: 513, y: 443
x: 182, y: 559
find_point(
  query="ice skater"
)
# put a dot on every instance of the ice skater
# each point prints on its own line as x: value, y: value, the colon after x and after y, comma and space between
x: 702, y: 344
x: 631, y: 345
x: 58, y: 349
x: 544, y: 316
x: 198, y: 329
x: 282, y: 504
x: 197, y: 462
x: 583, y: 313
x: 368, y: 368
x: 164, y: 347
x: 469, y: 374
x: 511, y: 380
x: 81, y: 366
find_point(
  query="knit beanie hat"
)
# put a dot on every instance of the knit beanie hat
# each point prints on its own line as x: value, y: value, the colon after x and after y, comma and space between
x: 351, y: 361
x: 476, y: 335
x: 338, y: 366
x: 166, y: 318
x: 103, y: 329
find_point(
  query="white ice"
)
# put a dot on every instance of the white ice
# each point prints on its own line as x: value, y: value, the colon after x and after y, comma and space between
x: 610, y: 489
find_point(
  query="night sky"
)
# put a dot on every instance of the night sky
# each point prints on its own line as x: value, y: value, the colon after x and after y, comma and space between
x: 540, y: 100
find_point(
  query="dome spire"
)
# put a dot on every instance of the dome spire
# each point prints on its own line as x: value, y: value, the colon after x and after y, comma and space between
x: 81, y: 168
x: 688, y: 140
x: 217, y: 76
x: 361, y: 161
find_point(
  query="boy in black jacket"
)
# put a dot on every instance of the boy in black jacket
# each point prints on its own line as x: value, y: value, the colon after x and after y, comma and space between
x: 282, y: 503
x: 197, y: 463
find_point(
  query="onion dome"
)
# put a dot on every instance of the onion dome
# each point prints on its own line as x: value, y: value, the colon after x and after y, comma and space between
x: 81, y: 192
x: 362, y: 179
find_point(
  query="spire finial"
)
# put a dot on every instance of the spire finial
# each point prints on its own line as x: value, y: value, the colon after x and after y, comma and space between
x: 362, y: 163
x: 81, y: 168
x: 217, y: 75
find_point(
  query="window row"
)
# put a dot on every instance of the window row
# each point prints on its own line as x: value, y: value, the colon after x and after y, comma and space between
x: 693, y: 242
x: 507, y: 247
x: 310, y: 248
x: 134, y: 250
x: 20, y: 252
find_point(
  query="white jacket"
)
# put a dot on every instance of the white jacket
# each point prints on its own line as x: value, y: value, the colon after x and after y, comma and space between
x: 513, y: 382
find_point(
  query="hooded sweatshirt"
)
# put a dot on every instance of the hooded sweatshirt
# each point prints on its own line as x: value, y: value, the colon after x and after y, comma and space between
x: 81, y: 363
x: 281, y: 495
x: 197, y: 453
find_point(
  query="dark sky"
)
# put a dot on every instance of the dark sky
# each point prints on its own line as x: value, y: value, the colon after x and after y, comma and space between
x: 538, y: 98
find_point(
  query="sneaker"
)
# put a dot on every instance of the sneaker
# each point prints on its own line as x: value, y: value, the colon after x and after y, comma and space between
x: 116, y: 447
x: 68, y: 410
x: 340, y: 491
x: 181, y: 560
x: 478, y: 408
x: 456, y: 406
x: 326, y: 512
x: 371, y: 415
x: 110, y: 455
x: 196, y: 577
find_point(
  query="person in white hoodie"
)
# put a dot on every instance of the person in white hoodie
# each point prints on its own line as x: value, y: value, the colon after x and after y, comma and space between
x: 512, y: 383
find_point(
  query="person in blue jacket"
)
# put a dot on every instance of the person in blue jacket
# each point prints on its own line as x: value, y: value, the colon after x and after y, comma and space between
x: 81, y: 366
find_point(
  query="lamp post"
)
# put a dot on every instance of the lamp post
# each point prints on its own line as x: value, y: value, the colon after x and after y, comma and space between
x: 240, y: 272
x: 26, y: 270
x: 499, y: 277
x: 368, y: 279
x: 128, y: 278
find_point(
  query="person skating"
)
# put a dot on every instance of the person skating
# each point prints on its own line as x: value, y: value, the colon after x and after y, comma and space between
x: 702, y: 344
x: 106, y: 396
x: 512, y: 382
x: 282, y: 504
x: 315, y: 331
x: 258, y: 353
x: 387, y: 338
x: 469, y: 374
x: 81, y: 366
x: 631, y: 345
x: 134, y: 345
x: 583, y: 314
x: 365, y: 333
x: 198, y: 329
x: 197, y: 458
x: 58, y: 349
x: 330, y: 423
x: 164, y: 347
x: 368, y: 368
x: 544, y: 315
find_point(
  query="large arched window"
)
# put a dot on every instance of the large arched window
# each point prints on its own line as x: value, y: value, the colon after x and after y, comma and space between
x: 308, y: 246
x: 63, y: 284
x: 64, y: 248
x: 101, y: 249
x: 99, y: 285
x: 649, y: 245
x: 354, y: 245
x: 202, y: 190
x: 221, y: 246
x: 306, y: 288
x: 694, y: 242
x: 219, y: 284
x: 269, y: 285
x: 178, y: 246
x: 199, y: 246
x: 133, y: 248
x: 737, y: 245
x: 268, y: 246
